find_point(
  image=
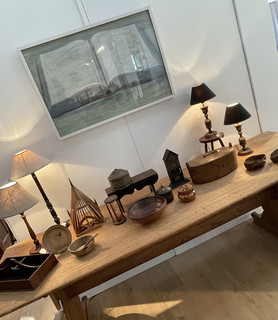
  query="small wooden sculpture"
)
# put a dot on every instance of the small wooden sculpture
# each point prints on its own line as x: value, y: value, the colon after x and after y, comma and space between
x: 85, y: 213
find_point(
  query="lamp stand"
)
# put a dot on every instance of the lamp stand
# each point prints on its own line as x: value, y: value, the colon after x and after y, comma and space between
x: 210, y: 134
x: 48, y: 203
x: 37, y: 244
x: 242, y: 141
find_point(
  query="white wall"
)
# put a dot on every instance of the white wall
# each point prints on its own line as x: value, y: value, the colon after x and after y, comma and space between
x: 262, y: 57
x: 201, y: 43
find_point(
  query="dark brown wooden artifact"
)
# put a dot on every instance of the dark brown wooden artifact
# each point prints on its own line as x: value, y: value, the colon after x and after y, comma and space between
x: 141, y: 180
x: 174, y: 170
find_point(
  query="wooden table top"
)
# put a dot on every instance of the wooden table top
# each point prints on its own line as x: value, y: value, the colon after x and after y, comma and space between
x: 120, y: 248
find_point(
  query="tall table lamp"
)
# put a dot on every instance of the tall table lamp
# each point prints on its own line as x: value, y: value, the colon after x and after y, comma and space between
x: 27, y: 162
x: 200, y: 94
x: 14, y: 200
x: 235, y: 114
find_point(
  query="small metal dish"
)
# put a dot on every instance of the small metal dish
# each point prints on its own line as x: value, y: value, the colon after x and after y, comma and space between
x: 255, y: 162
x: 82, y: 245
x: 274, y: 156
x: 147, y: 210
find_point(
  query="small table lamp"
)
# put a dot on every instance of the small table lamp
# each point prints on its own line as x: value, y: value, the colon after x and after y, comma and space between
x: 27, y: 162
x: 200, y: 94
x: 235, y: 113
x: 14, y: 200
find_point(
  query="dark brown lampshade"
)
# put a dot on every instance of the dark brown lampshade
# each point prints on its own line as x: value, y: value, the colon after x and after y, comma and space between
x: 235, y: 113
x: 200, y: 94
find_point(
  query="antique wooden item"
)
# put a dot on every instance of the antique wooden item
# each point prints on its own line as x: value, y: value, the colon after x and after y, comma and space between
x: 212, y: 165
x: 274, y: 156
x: 115, y: 209
x: 141, y: 180
x: 82, y: 245
x: 119, y: 178
x: 25, y: 272
x: 85, y: 213
x: 6, y: 236
x: 147, y: 210
x: 174, y: 170
x: 255, y: 162
x: 218, y: 202
x: 186, y: 193
x: 165, y: 192
x: 211, y: 140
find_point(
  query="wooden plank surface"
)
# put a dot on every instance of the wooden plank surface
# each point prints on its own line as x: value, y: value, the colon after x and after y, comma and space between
x: 119, y: 248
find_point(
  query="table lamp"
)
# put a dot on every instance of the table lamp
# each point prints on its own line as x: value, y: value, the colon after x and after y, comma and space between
x: 27, y: 162
x: 14, y: 200
x: 200, y: 94
x: 235, y: 114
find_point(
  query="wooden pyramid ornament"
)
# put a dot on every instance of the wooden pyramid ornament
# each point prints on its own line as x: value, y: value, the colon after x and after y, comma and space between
x: 84, y: 213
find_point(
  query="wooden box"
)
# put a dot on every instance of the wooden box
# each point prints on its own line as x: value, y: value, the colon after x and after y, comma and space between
x: 25, y: 272
x: 212, y: 165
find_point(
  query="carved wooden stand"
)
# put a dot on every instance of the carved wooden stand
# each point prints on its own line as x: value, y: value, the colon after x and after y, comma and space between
x: 141, y: 180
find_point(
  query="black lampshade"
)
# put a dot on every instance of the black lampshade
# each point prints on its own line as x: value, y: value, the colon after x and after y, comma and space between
x: 200, y: 94
x: 235, y: 113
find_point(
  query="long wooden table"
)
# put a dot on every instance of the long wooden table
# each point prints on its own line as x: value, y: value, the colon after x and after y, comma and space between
x: 120, y: 248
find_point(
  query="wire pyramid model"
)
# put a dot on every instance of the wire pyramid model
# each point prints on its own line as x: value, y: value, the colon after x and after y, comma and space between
x: 84, y: 213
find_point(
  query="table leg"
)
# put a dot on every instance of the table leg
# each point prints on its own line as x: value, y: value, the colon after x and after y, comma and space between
x: 72, y: 306
x: 269, y: 218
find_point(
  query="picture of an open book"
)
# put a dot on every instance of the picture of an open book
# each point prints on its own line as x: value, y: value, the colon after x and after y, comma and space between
x: 92, y: 77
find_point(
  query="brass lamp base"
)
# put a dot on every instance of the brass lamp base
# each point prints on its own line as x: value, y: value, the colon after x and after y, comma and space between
x: 245, y: 151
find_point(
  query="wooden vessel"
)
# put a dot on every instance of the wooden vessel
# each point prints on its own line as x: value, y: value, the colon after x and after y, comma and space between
x: 212, y: 165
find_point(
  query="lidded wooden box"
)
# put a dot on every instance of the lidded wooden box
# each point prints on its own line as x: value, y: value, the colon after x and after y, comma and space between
x: 212, y: 165
x: 119, y: 178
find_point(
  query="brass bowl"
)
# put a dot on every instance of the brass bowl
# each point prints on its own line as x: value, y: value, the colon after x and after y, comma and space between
x: 255, y: 162
x: 82, y: 245
x: 147, y: 210
x: 274, y: 156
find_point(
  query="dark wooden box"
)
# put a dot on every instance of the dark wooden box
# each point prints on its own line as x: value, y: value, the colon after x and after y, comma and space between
x: 25, y: 272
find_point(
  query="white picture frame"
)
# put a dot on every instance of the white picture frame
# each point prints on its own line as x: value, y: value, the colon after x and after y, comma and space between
x: 96, y: 74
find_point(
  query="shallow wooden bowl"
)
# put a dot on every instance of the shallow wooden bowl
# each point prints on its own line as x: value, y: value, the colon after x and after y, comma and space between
x: 255, y: 162
x: 274, y: 156
x: 147, y: 210
x: 82, y: 245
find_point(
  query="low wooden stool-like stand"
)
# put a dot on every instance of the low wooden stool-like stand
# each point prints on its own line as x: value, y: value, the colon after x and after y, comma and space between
x: 141, y: 180
x: 211, y: 140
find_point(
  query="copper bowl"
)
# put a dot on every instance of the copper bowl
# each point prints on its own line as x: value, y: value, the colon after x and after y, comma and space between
x: 274, y: 156
x: 255, y: 162
x: 147, y: 210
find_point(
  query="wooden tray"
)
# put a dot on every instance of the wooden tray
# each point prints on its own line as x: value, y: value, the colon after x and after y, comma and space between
x: 25, y: 272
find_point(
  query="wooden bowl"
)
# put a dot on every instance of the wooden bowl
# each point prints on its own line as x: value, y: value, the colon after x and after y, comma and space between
x: 255, y: 162
x: 82, y: 245
x: 274, y: 156
x: 147, y: 210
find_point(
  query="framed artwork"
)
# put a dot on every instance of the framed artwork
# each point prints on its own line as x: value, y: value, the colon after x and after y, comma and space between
x: 99, y: 73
